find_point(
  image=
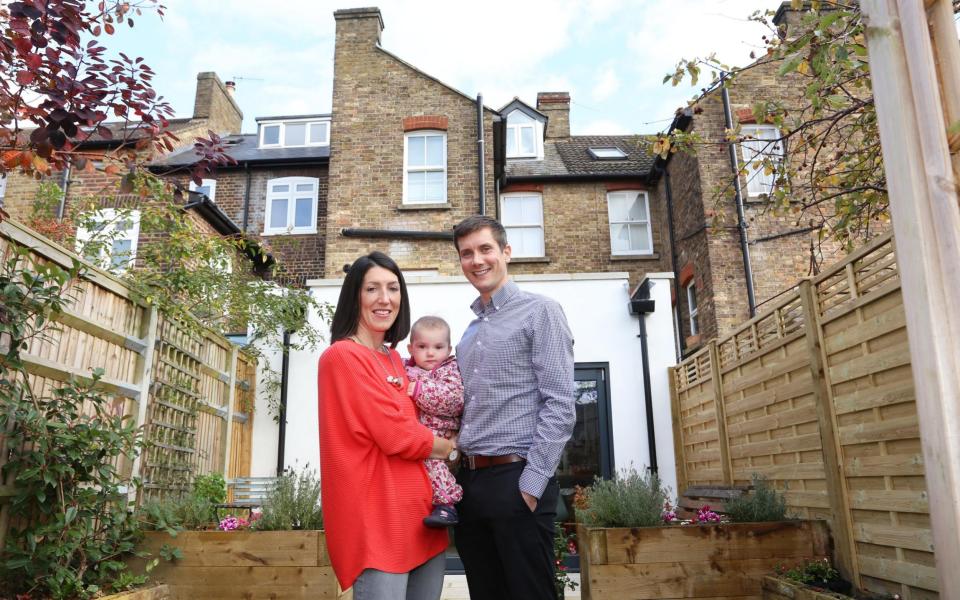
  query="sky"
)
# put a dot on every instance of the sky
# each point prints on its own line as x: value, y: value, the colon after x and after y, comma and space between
x: 610, y: 55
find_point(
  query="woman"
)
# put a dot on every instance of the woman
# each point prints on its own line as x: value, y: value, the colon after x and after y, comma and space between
x: 374, y: 486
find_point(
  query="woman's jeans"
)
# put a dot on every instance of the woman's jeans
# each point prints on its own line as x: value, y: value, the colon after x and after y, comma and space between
x: 423, y: 583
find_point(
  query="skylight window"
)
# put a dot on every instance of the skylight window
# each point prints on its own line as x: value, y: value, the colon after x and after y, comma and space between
x: 610, y: 153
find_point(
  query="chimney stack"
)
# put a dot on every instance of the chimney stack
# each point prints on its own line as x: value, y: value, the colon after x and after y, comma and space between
x: 214, y: 102
x: 358, y: 26
x: 556, y: 105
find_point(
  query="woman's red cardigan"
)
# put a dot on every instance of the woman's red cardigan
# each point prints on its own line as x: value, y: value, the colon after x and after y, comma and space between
x: 374, y: 487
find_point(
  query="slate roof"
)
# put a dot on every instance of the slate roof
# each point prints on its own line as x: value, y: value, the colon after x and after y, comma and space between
x: 244, y: 148
x: 570, y: 158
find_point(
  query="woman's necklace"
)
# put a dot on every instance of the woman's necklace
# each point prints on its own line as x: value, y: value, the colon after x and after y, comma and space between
x: 392, y: 377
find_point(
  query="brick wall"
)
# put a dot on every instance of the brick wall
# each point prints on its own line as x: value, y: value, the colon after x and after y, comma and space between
x: 577, y: 233
x: 715, y: 252
x: 373, y: 93
x: 302, y: 256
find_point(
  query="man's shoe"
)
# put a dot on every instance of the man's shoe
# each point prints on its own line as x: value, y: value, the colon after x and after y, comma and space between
x: 443, y: 515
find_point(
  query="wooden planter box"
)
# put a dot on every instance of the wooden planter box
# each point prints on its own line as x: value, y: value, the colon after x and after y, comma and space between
x: 692, y: 561
x: 156, y: 592
x: 247, y: 565
x: 777, y: 588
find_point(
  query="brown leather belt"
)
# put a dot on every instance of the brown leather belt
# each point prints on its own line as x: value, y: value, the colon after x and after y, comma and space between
x: 482, y: 462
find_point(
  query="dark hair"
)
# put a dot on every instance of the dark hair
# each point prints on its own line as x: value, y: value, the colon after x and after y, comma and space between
x: 429, y: 322
x: 346, y: 317
x: 476, y: 223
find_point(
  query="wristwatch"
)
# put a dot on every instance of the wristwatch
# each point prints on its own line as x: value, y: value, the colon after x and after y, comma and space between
x: 454, y: 455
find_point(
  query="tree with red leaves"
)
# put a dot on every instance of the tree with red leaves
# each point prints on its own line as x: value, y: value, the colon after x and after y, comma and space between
x: 58, y: 88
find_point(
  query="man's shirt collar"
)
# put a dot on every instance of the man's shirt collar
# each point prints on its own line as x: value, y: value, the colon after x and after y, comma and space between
x: 498, y: 300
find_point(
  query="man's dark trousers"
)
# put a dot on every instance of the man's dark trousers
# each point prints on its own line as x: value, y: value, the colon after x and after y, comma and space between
x: 507, y: 550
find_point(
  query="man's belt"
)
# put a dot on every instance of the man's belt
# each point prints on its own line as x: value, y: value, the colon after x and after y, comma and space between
x: 482, y: 462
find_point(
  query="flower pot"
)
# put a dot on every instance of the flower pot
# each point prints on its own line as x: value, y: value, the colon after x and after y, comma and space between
x: 692, y: 561
x: 780, y: 588
x: 226, y: 565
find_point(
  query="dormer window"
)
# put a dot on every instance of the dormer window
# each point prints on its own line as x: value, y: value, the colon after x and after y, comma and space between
x: 610, y: 153
x: 294, y: 133
x: 521, y: 136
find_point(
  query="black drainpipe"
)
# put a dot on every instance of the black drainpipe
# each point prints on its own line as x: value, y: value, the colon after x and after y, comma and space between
x: 284, y: 378
x: 641, y: 305
x: 64, y: 185
x: 480, y: 171
x: 741, y: 220
x: 246, y: 198
x: 673, y: 254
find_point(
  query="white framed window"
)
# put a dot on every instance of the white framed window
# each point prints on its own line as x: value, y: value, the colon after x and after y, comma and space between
x: 207, y: 187
x: 760, y: 143
x: 691, y: 289
x: 425, y: 167
x: 630, y: 231
x: 295, y: 133
x: 522, y: 139
x: 291, y: 206
x: 521, y: 214
x: 109, y: 237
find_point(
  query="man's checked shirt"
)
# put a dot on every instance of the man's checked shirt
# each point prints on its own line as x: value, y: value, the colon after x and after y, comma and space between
x: 516, y: 359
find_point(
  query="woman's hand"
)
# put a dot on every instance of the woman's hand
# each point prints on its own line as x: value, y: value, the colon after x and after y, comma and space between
x: 442, y: 447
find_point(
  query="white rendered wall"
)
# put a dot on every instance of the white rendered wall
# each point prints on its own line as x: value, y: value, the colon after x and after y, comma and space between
x: 266, y: 430
x: 596, y: 308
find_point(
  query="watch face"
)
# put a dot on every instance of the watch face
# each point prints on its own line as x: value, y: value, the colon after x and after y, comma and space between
x: 454, y: 454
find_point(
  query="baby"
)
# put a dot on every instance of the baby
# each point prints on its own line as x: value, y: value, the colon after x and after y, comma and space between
x: 437, y: 389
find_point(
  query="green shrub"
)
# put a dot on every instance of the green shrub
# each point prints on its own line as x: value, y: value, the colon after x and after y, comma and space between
x: 293, y: 504
x: 211, y: 487
x: 191, y: 513
x: 628, y: 500
x: 763, y: 504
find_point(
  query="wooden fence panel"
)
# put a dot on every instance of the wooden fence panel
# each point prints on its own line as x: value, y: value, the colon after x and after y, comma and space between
x: 186, y: 383
x: 823, y: 378
x: 698, y: 428
x: 769, y: 405
x: 868, y: 369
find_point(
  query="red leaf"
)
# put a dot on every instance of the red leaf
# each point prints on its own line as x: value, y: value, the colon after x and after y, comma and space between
x: 34, y: 61
x: 25, y: 77
x: 108, y: 28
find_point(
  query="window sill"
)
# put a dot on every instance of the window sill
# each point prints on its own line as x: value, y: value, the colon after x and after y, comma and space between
x: 291, y: 232
x: 529, y: 259
x: 619, y: 257
x: 425, y: 206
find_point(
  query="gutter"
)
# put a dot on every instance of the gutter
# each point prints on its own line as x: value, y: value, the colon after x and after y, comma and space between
x: 397, y: 234
x: 575, y: 177
x: 284, y: 380
x: 641, y: 305
x: 480, y: 161
x: 738, y: 191
x: 211, y: 213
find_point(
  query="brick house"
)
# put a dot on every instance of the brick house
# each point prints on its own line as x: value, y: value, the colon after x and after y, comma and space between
x: 709, y: 260
x: 276, y: 191
x: 214, y: 110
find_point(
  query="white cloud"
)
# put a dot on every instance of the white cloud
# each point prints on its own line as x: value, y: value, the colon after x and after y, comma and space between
x: 607, y: 84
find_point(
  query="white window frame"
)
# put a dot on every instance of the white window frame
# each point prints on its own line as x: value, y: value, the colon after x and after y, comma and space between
x: 3, y: 185
x: 407, y: 169
x: 753, y: 152
x: 210, y: 183
x: 648, y: 223
x: 308, y: 123
x: 515, y: 131
x: 290, y: 196
x: 693, y: 307
x: 515, y: 252
x: 109, y: 216
x: 607, y: 153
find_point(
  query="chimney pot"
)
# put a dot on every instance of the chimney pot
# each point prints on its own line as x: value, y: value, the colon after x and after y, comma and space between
x: 231, y: 86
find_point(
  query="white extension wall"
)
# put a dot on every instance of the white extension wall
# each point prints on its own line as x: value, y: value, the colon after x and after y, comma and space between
x: 596, y: 305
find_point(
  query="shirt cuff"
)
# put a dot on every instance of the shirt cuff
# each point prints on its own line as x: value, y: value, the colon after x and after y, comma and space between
x: 532, y: 482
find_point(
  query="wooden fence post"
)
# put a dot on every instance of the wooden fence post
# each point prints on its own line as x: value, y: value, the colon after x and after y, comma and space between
x: 726, y: 465
x: 908, y: 85
x: 231, y: 399
x: 829, y: 441
x: 145, y: 379
x: 679, y: 459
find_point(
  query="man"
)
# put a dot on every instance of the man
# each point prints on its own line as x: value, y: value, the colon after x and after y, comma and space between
x: 516, y: 359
